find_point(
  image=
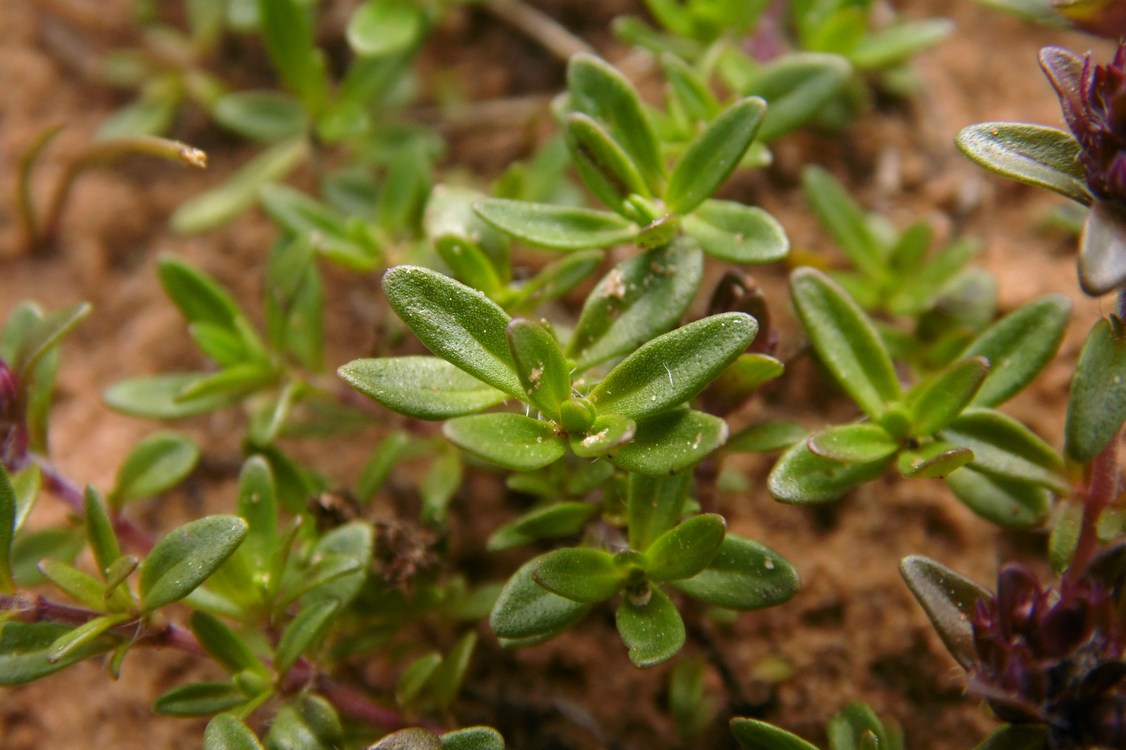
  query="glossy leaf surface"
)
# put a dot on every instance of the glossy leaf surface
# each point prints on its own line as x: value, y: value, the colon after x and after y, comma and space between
x: 801, y: 477
x: 653, y: 632
x: 737, y: 233
x: 1032, y: 154
x: 457, y: 323
x: 672, y: 368
x: 638, y: 299
x: 743, y: 575
x: 686, y: 549
x: 1096, y: 407
x: 421, y: 387
x: 671, y: 442
x: 846, y: 341
x: 186, y: 557
x: 510, y: 440
x: 526, y: 611
x: 949, y: 600
x: 581, y: 574
x: 556, y: 227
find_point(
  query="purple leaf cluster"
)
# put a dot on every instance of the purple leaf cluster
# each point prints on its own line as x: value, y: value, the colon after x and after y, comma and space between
x: 1054, y: 657
x: 13, y: 434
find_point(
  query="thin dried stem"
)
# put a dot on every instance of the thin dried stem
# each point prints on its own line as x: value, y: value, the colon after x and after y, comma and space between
x: 538, y: 26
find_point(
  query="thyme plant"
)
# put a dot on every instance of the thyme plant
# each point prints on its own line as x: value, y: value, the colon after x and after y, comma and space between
x: 606, y: 401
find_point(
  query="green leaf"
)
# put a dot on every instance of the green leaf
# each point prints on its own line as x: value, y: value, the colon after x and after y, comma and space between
x: 304, y: 631
x: 1032, y: 154
x: 78, y: 585
x: 766, y: 437
x: 688, y: 91
x: 638, y: 299
x: 100, y: 533
x: 156, y: 464
x: 540, y: 364
x: 7, y: 531
x: 224, y: 644
x: 448, y: 678
x: 672, y: 368
x: 898, y: 43
x: 222, y: 204
x: 355, y: 542
x: 381, y: 28
x: 856, y: 727
x: 936, y: 402
x: 287, y: 29
x: 556, y: 227
x: 752, y: 734
x: 415, y: 677
x: 307, y: 723
x: 23, y: 651
x: 950, y: 601
x: 228, y: 732
x: 159, y: 397
x: 473, y: 738
x: 600, y: 91
x: 846, y: 341
x: 655, y: 504
x: 44, y: 334
x: 560, y: 519
x: 510, y: 440
x: 1005, y: 447
x: 415, y: 738
x: 32, y: 547
x: 602, y: 163
x: 1096, y: 406
x: 258, y: 504
x: 1008, y: 502
x: 797, y: 87
x: 845, y: 220
x: 801, y: 477
x: 421, y: 387
x: 671, y: 442
x: 264, y: 115
x: 199, y: 699
x: 862, y: 443
x: 185, y: 557
x: 743, y: 575
x: 581, y: 574
x: 653, y: 631
x: 1019, y: 346
x: 737, y: 233
x: 197, y: 295
x: 26, y: 484
x: 934, y: 459
x: 712, y: 156
x: 83, y: 635
x: 608, y: 432
x: 527, y: 612
x: 456, y: 323
x: 685, y: 550
x: 352, y: 245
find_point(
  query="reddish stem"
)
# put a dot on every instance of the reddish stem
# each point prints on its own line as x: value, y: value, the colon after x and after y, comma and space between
x: 1102, y: 490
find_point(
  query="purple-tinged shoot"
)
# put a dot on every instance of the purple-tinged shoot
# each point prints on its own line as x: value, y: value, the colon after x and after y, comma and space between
x: 1055, y: 657
x: 1093, y: 99
x: 13, y: 437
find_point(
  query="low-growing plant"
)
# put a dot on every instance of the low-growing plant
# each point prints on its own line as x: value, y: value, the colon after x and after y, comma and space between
x: 606, y: 402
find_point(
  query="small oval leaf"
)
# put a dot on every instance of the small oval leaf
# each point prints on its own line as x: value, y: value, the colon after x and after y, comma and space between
x: 713, y: 155
x: 510, y: 440
x: 1032, y: 154
x: 420, y: 387
x: 653, y: 631
x: 686, y: 549
x: 185, y: 557
x: 744, y: 575
x: 556, y: 227
x: 581, y: 574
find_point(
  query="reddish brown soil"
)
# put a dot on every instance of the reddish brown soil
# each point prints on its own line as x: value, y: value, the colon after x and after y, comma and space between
x: 852, y: 633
